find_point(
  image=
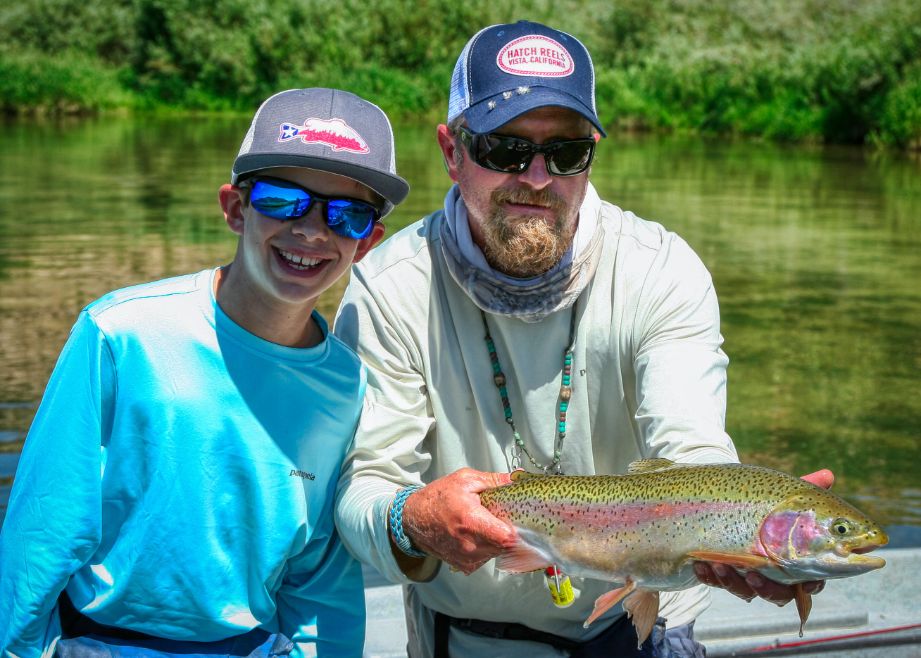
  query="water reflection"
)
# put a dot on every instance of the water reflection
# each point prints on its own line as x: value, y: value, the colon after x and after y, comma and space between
x: 814, y: 251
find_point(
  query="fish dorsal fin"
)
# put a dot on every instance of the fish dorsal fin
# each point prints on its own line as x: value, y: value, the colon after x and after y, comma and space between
x: 649, y: 465
x: 522, y: 475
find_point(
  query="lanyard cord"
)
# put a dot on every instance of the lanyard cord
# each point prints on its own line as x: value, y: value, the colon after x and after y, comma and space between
x: 563, y: 401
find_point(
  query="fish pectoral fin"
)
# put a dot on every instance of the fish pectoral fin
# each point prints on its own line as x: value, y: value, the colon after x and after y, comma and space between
x: 649, y: 465
x: 740, y: 560
x: 643, y: 608
x: 522, y: 558
x: 803, y: 605
x: 608, y: 600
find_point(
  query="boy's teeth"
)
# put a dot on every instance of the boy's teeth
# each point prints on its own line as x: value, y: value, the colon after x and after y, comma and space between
x: 299, y: 261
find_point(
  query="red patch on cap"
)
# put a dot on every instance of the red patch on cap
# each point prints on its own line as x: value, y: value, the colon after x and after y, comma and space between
x: 535, y: 55
x: 334, y: 133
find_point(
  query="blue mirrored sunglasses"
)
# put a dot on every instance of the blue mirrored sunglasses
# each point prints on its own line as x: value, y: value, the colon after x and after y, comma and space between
x: 284, y: 200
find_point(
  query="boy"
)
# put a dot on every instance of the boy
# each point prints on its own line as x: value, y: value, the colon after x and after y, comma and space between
x: 175, y: 491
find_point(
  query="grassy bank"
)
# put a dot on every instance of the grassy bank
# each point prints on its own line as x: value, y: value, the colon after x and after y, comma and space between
x: 816, y: 70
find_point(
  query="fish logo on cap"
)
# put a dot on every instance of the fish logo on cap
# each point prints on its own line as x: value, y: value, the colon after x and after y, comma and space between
x: 334, y: 133
x: 535, y: 55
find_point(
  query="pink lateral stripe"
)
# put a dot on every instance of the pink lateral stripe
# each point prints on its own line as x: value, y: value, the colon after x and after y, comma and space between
x: 632, y: 515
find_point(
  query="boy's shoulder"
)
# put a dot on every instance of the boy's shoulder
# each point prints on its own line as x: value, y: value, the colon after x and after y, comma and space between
x: 153, y: 292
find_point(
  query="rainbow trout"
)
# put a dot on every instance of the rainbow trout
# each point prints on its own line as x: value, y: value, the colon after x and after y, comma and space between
x: 645, y: 529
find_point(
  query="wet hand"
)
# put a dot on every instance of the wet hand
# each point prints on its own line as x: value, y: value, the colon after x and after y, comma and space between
x: 752, y: 584
x: 445, y: 519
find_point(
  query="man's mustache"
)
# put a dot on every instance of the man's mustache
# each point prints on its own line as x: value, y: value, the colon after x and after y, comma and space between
x: 544, y: 198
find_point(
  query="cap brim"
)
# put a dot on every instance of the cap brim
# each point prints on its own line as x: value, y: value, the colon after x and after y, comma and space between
x: 390, y: 186
x: 481, y: 119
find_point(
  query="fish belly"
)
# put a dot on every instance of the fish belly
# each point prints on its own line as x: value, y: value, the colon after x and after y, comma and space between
x: 653, y: 565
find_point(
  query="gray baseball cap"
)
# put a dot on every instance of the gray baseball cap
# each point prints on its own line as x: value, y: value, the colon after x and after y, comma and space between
x: 326, y: 129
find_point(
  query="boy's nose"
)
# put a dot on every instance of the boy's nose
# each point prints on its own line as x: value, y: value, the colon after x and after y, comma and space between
x: 313, y: 225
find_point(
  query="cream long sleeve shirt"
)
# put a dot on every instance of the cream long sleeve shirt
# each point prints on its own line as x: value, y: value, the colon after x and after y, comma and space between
x: 649, y: 380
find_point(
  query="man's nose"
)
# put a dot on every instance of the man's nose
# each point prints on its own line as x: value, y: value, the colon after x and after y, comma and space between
x: 536, y: 175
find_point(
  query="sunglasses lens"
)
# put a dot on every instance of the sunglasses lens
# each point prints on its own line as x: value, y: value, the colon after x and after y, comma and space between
x: 349, y: 218
x: 504, y: 153
x: 279, y: 201
x: 571, y: 157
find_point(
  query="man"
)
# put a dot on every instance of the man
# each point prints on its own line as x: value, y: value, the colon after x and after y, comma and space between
x: 527, y: 324
x: 175, y: 491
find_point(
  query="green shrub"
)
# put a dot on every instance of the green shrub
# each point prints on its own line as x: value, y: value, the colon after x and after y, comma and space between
x: 62, y: 84
x: 831, y: 70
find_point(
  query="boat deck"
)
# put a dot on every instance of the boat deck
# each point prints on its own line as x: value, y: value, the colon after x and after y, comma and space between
x: 874, y: 615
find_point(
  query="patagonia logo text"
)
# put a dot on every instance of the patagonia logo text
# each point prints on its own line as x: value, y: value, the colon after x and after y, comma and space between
x: 535, y: 55
x: 334, y: 133
x: 302, y: 474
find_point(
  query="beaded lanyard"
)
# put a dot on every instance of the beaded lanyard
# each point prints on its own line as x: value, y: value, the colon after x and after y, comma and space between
x: 565, y: 395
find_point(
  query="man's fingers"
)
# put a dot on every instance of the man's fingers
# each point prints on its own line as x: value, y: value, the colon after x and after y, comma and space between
x: 477, y: 481
x: 719, y: 575
x: 751, y: 585
x: 497, y: 532
x: 814, y: 587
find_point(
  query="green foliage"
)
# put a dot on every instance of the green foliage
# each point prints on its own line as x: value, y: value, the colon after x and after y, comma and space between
x: 900, y: 120
x: 64, y: 83
x: 830, y: 70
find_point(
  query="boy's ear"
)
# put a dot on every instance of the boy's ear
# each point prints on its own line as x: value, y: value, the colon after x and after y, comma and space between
x: 365, y: 244
x: 231, y: 200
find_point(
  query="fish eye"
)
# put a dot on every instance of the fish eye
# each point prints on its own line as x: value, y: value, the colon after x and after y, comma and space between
x: 841, y: 527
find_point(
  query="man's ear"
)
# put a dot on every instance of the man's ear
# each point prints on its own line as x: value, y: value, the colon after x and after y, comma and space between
x: 231, y: 200
x: 365, y: 244
x: 448, y: 145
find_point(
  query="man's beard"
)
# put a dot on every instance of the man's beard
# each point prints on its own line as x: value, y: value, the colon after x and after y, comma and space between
x: 526, y: 246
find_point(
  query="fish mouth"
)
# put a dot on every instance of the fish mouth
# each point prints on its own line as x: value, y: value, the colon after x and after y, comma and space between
x: 866, y: 561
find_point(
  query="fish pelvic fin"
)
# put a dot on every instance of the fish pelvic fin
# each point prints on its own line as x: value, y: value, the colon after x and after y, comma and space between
x: 740, y: 560
x: 522, y: 558
x: 649, y: 465
x: 643, y: 608
x: 608, y: 600
x: 803, y: 605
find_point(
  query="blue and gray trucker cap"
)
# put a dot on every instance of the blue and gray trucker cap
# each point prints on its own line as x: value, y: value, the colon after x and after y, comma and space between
x: 507, y: 70
x: 326, y: 129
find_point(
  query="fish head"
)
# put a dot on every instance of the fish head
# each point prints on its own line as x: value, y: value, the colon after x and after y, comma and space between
x: 813, y: 535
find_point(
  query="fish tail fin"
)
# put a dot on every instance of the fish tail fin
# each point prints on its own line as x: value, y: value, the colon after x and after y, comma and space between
x: 643, y: 608
x: 608, y: 600
x: 803, y: 605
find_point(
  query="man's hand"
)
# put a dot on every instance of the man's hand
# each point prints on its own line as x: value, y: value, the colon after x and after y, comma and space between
x: 445, y: 519
x: 753, y: 584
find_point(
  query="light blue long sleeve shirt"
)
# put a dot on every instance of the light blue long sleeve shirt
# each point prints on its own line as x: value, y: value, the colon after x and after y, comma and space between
x: 179, y: 480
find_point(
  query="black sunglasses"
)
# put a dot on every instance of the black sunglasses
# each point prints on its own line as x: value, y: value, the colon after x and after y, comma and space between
x: 513, y: 155
x: 284, y: 200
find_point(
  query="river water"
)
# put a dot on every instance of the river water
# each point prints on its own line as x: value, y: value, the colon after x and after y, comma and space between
x: 815, y: 251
